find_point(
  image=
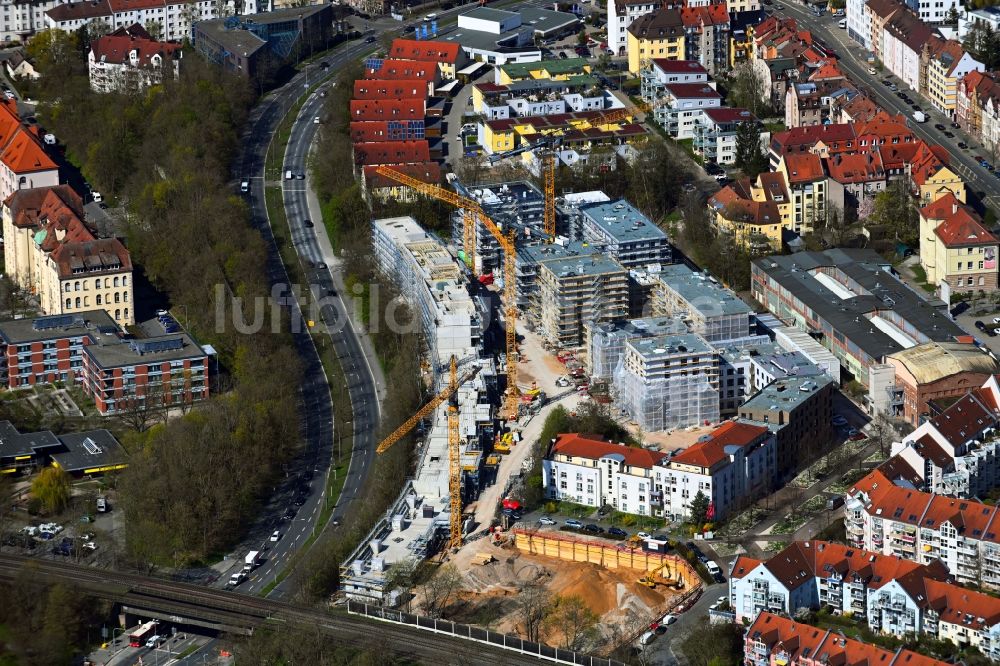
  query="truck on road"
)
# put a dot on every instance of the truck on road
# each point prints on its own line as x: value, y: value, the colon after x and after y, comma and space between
x: 251, y: 561
x: 920, y: 116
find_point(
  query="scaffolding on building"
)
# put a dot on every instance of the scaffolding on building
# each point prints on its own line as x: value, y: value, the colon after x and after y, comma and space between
x: 668, y: 403
x: 607, y: 344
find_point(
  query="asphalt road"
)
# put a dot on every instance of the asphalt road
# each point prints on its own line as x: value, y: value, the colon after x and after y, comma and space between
x: 317, y: 429
x: 853, y: 64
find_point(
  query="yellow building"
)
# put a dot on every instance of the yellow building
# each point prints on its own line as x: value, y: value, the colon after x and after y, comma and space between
x: 577, y: 130
x: 50, y: 252
x: 932, y: 177
x: 555, y: 70
x: 947, y: 64
x: 755, y: 214
x: 814, y: 196
x: 956, y: 248
x: 656, y: 35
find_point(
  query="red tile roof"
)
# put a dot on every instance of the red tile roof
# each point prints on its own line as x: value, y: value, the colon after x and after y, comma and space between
x: 31, y: 208
x: 380, y: 130
x: 828, y: 70
x: 803, y: 642
x: 967, y: 418
x: 727, y: 115
x: 118, y: 49
x: 405, y: 69
x: 75, y: 11
x: 716, y: 448
x: 427, y: 172
x: 425, y: 50
x: 595, y: 448
x: 20, y: 148
x: 802, y: 561
x: 392, y: 152
x: 696, y: 17
x: 961, y: 606
x: 735, y: 203
x: 390, y: 89
x: 803, y: 167
x: 963, y: 229
x: 855, y: 168
x: 692, y: 91
x: 744, y: 565
x: 387, y: 109
x: 861, y: 108
x: 802, y: 138
x: 101, y: 255
x: 660, y: 24
x: 679, y: 66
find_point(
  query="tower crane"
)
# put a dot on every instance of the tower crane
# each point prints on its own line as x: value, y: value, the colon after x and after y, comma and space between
x: 472, y: 213
x: 449, y: 393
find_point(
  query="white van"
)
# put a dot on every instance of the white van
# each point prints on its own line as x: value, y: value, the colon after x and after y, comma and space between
x: 712, y: 567
x: 245, y: 186
x: 842, y: 24
x: 288, y: 175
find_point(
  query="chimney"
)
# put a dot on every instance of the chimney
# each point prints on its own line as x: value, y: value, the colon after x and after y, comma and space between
x: 954, y: 207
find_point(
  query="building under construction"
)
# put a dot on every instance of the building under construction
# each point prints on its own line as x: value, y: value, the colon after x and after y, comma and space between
x: 668, y: 382
x: 605, y: 341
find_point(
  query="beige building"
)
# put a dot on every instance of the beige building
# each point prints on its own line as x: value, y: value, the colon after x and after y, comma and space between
x: 50, y: 252
x: 956, y: 248
x: 577, y: 290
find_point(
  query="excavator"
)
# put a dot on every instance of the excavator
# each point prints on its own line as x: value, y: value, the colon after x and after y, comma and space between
x: 661, y: 576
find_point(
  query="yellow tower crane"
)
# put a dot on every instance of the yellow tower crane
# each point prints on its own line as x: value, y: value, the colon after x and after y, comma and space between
x: 473, y: 212
x: 454, y: 439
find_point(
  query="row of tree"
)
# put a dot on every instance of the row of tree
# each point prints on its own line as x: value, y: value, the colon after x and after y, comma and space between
x: 195, y: 482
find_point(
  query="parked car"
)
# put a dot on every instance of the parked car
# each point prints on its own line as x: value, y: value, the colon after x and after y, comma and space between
x: 644, y: 535
x: 594, y: 529
x: 545, y: 520
x: 574, y: 524
x: 275, y: 536
x: 939, y: 127
x: 948, y: 134
x: 650, y: 636
x: 617, y: 531
x: 963, y: 145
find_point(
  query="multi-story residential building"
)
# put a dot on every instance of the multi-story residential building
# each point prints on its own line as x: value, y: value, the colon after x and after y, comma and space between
x: 815, y: 197
x: 731, y: 466
x: 605, y: 343
x: 448, y: 56
x: 973, y: 91
x: 661, y: 72
x: 851, y: 301
x: 129, y: 60
x: 20, y: 19
x: 385, y: 189
x: 797, y: 409
x: 903, y: 37
x: 814, y: 574
x: 741, y: 32
x: 756, y: 214
x: 934, y: 11
x: 432, y: 282
x: 577, y: 131
x: 391, y: 153
x: 877, y: 13
x: 52, y: 253
x: 670, y: 381
x: 748, y: 366
x: 628, y: 236
x: 622, y: 14
x: 173, y: 19
x: 936, y: 371
x: 541, y: 97
x: 119, y: 373
x: 706, y: 38
x: 659, y: 34
x: 594, y: 472
x: 923, y: 527
x: 23, y: 160
x: 779, y: 641
x: 716, y: 130
x: 930, y: 175
x: 946, y: 66
x: 681, y: 106
x: 713, y: 312
x: 859, y: 23
x: 167, y: 371
x: 575, y: 290
x: 956, y: 248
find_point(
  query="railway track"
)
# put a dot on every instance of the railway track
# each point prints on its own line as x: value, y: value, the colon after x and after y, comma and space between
x: 350, y: 630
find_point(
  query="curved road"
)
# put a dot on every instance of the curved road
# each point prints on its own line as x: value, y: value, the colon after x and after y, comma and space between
x: 317, y: 429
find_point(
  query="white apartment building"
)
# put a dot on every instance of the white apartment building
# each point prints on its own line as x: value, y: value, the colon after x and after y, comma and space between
x: 595, y: 472
x: 859, y: 26
x: 898, y: 520
x: 621, y: 14
x: 169, y: 20
x: 957, y: 452
x: 812, y: 574
x: 122, y: 62
x: 430, y: 280
x: 891, y: 595
x: 733, y: 465
x: 19, y: 19
x: 680, y: 108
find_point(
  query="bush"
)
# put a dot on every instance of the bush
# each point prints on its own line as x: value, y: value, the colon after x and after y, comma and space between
x: 51, y: 489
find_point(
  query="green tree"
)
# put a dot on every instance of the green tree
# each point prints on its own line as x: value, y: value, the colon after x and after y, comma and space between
x: 581, y: 37
x: 572, y: 621
x: 51, y: 487
x: 699, y: 509
x: 895, y: 210
x: 750, y: 157
x: 748, y: 90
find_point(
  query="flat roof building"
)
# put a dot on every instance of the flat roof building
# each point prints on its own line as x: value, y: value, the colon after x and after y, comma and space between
x: 80, y: 453
x: 497, y: 36
x: 605, y: 342
x: 671, y: 381
x: 852, y: 302
x: 714, y: 311
x: 627, y: 235
x: 575, y: 290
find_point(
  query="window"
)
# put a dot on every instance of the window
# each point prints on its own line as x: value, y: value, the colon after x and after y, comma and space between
x: 69, y: 287
x: 76, y: 286
x: 99, y: 299
x: 77, y: 301
x: 117, y: 297
x: 68, y: 303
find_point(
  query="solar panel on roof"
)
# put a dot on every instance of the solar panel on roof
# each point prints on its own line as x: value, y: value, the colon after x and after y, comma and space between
x: 91, y: 446
x: 154, y: 346
x: 55, y: 321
